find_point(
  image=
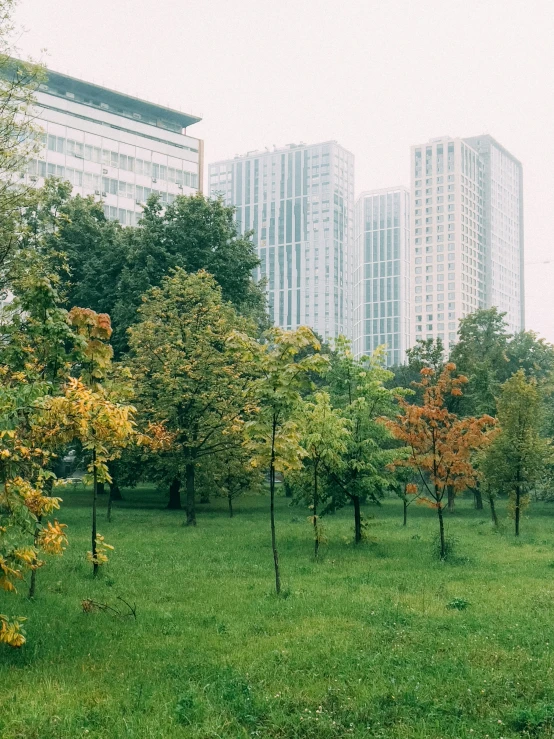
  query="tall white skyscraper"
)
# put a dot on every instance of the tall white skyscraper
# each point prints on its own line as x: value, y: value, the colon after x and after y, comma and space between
x: 502, y: 229
x: 114, y: 146
x: 381, y: 283
x: 298, y: 201
x: 467, y: 234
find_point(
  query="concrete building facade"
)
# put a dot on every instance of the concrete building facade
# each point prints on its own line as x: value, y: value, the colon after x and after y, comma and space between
x: 502, y: 230
x: 467, y: 232
x: 114, y: 146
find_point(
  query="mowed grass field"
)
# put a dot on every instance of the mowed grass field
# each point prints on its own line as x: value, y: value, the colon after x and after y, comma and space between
x: 362, y: 644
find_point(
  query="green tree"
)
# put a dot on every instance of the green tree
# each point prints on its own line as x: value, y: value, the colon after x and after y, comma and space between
x: 86, y: 251
x: 186, y: 376
x: 528, y: 352
x: 518, y: 454
x: 281, y: 369
x: 481, y: 355
x: 231, y: 475
x: 358, y: 389
x: 192, y: 233
x: 18, y: 134
x: 324, y: 434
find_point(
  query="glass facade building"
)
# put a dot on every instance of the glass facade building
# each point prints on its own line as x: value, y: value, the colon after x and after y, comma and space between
x: 298, y: 201
x: 381, y: 283
x: 114, y: 146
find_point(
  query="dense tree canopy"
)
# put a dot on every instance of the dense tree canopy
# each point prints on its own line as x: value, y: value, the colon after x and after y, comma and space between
x: 192, y: 233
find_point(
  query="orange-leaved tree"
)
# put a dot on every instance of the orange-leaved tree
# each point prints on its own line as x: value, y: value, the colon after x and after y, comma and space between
x: 441, y: 445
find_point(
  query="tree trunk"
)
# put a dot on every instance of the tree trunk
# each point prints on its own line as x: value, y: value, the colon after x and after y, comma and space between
x: 205, y: 496
x: 273, y: 537
x: 288, y: 489
x: 451, y: 499
x: 517, y: 508
x: 316, y: 532
x: 493, y: 510
x: 191, y: 502
x: 478, y: 498
x: 405, y: 502
x: 115, y: 491
x: 94, y: 500
x: 357, y: 519
x: 230, y: 500
x: 115, y: 494
x: 33, y: 583
x: 175, y: 495
x: 272, y: 511
x: 101, y: 488
x: 441, y: 530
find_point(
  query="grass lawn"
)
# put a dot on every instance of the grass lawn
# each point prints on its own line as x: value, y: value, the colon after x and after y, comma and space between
x: 363, y: 643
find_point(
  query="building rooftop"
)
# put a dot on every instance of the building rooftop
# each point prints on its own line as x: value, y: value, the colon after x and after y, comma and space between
x: 278, y: 150
x: 102, y: 98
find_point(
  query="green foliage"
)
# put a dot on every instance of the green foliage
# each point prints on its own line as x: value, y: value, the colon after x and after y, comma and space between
x: 280, y: 368
x: 18, y: 81
x: 324, y: 438
x: 515, y: 459
x: 480, y: 355
x: 358, y: 389
x: 193, y: 233
x: 187, y: 377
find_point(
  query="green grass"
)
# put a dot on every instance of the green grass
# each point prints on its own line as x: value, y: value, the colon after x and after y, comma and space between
x: 380, y: 640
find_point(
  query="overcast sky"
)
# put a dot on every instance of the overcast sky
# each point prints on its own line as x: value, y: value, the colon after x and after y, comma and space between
x: 376, y: 75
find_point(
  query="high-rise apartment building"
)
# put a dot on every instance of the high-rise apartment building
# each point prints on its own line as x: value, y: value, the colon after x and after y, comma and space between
x: 298, y: 201
x: 463, y: 223
x: 114, y: 146
x: 502, y: 229
x: 381, y: 282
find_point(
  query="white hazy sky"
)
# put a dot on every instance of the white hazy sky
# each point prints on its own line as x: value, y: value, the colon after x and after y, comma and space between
x: 376, y: 75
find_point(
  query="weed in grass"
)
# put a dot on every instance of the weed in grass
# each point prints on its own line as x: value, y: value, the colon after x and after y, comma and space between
x: 458, y: 604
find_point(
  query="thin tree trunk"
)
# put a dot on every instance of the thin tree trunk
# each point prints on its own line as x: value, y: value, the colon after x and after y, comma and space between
x: 517, y: 508
x: 316, y: 532
x: 175, y: 495
x: 405, y: 502
x: 101, y: 488
x: 272, y: 512
x: 357, y: 519
x: 478, y: 498
x: 230, y: 500
x: 441, y: 530
x: 493, y: 510
x: 191, y: 502
x: 33, y: 583
x: 94, y: 501
x: 451, y: 499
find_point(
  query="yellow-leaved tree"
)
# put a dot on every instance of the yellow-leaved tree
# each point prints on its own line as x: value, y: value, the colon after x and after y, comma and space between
x: 24, y: 502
